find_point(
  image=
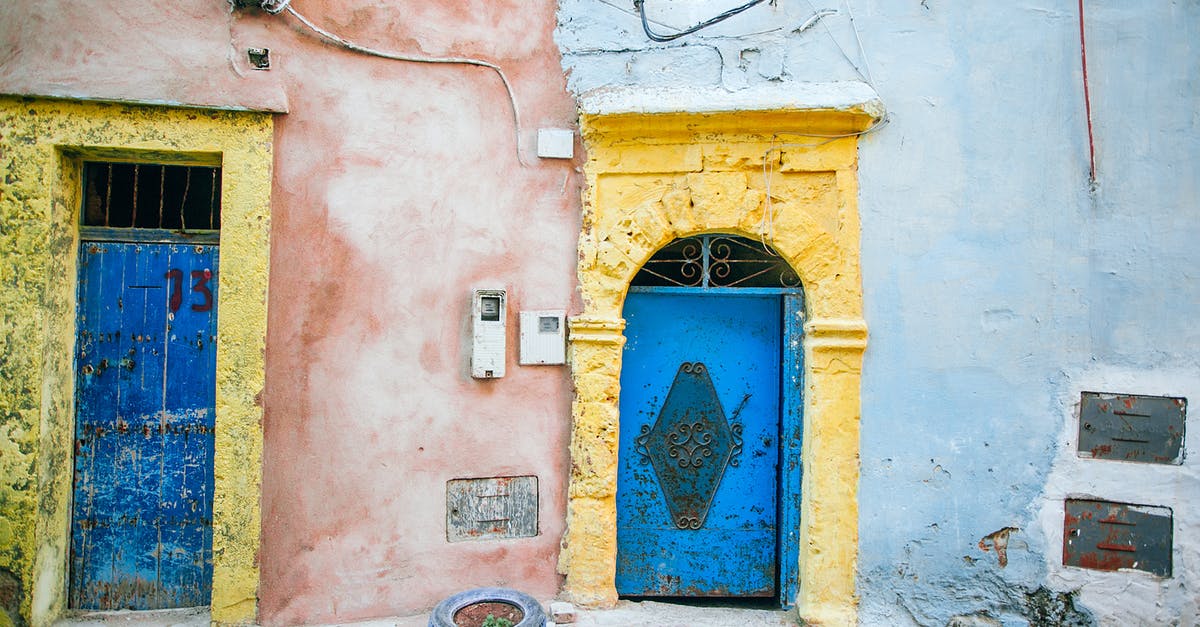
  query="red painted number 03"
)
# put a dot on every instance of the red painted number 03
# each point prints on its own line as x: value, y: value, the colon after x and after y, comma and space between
x: 200, y: 280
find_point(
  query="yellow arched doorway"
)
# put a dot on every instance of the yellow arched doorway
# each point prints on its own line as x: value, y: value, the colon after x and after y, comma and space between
x: 656, y: 177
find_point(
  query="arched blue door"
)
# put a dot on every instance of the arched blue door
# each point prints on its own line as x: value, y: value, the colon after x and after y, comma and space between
x: 708, y: 477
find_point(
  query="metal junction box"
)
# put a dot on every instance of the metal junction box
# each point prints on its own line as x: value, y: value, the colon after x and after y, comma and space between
x: 491, y: 508
x: 543, y: 337
x: 1110, y: 536
x: 489, y: 319
x: 1132, y: 428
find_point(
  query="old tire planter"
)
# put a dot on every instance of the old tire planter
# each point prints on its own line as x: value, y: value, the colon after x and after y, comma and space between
x: 531, y: 610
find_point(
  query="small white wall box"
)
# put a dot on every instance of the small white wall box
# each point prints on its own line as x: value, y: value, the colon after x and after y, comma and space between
x: 556, y: 143
x: 543, y: 337
x: 488, y: 313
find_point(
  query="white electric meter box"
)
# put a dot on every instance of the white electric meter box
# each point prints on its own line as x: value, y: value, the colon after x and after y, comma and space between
x: 488, y: 313
x: 543, y: 337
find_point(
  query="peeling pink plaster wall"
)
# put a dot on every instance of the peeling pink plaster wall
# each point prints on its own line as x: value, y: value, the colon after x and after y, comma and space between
x: 396, y: 190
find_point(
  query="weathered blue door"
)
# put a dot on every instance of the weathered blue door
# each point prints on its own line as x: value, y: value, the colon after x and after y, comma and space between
x: 145, y: 365
x: 699, y: 448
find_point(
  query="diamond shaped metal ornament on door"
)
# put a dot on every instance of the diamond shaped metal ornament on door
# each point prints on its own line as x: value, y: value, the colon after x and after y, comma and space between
x: 690, y: 445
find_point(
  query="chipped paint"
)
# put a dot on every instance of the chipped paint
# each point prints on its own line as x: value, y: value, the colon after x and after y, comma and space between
x: 41, y: 147
x: 998, y: 540
x: 654, y: 178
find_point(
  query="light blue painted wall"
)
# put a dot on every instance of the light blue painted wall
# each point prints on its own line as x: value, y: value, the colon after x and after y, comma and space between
x: 996, y: 283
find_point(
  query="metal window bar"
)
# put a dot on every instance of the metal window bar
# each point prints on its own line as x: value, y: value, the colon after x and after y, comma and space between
x: 119, y: 204
x: 712, y: 261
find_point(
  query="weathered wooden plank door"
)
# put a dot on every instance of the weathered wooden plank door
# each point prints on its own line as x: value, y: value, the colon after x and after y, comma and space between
x: 145, y: 394
x: 699, y: 443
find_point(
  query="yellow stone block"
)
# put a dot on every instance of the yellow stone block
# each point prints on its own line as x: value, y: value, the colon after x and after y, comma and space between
x: 734, y: 156
x: 590, y: 551
x: 596, y: 386
x: 596, y: 357
x: 840, y: 154
x: 641, y: 158
x: 808, y: 196
x: 719, y: 193
x: 679, y: 209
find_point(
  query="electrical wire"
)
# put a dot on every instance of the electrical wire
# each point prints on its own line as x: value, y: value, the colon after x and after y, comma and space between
x: 842, y: 50
x: 349, y: 45
x: 816, y: 17
x: 862, y: 53
x: 766, y: 227
x: 633, y: 13
x: 1087, y: 103
x: 640, y: 5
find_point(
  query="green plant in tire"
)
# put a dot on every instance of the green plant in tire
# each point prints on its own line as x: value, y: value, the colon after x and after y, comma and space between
x: 492, y: 621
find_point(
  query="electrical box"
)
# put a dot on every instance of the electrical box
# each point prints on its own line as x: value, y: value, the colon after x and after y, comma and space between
x: 1103, y: 535
x: 489, y: 310
x: 1129, y: 427
x: 491, y: 508
x: 543, y: 337
x: 556, y: 143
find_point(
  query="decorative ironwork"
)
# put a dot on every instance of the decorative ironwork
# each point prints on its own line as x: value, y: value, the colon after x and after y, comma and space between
x: 639, y: 444
x: 736, y: 429
x: 716, y: 261
x: 690, y: 445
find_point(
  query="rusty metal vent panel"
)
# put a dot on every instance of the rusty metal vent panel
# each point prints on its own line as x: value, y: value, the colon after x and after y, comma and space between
x: 1102, y: 535
x: 1147, y: 429
x: 716, y: 261
x: 491, y: 508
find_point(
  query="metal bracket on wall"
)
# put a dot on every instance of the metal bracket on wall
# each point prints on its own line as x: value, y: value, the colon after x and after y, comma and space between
x: 260, y: 58
x: 270, y: 6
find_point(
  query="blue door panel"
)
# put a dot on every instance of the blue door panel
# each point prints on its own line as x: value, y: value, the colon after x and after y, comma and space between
x: 736, y: 337
x: 145, y: 393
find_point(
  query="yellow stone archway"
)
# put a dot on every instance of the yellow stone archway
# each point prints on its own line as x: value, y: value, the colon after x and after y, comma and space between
x: 655, y: 177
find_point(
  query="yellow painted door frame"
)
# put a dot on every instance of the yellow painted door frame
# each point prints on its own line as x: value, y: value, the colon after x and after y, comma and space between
x: 45, y: 142
x: 656, y: 177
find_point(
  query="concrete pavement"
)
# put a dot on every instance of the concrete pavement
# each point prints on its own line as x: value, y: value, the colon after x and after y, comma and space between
x: 625, y: 614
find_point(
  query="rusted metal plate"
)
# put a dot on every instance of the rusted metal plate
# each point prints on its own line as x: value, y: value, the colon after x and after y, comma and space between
x: 690, y: 445
x: 1132, y: 428
x: 1102, y: 535
x: 145, y: 394
x: 491, y: 508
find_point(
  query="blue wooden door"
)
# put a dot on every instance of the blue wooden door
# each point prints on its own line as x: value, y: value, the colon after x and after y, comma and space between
x: 699, y: 444
x: 145, y: 366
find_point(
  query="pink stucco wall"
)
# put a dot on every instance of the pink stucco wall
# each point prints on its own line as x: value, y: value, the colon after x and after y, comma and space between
x: 396, y: 190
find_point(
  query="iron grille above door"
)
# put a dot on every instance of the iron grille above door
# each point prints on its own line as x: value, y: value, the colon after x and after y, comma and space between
x: 119, y: 197
x: 716, y: 261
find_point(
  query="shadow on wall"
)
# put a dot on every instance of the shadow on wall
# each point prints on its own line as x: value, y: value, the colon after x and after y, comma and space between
x: 1042, y: 607
x: 10, y: 597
